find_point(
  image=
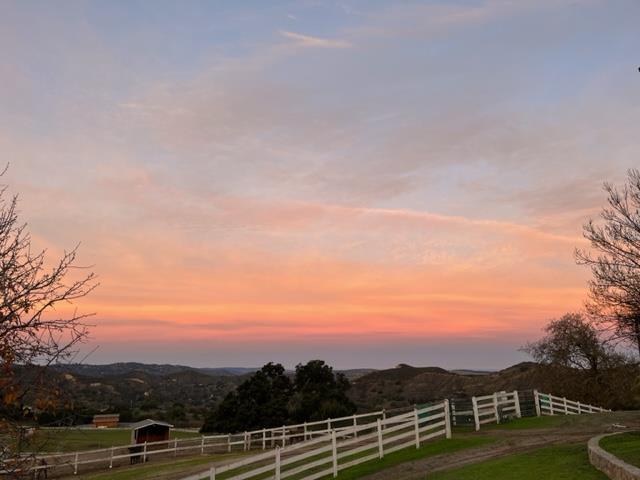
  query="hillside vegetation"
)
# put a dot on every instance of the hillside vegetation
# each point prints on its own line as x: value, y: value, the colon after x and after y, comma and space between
x: 406, y: 385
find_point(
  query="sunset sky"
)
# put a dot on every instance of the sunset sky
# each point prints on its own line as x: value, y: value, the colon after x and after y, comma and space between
x: 365, y: 182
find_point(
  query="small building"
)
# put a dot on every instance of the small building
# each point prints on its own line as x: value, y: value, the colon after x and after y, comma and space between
x: 150, y: 431
x: 106, y: 420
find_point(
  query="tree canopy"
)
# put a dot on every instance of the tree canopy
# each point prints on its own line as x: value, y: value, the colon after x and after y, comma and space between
x: 270, y: 399
x: 572, y: 341
x: 320, y: 393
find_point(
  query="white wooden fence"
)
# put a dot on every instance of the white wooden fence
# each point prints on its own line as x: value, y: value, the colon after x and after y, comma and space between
x: 551, y: 405
x: 291, y: 438
x: 326, y: 455
x: 496, y: 407
x: 491, y: 408
x: 266, y: 438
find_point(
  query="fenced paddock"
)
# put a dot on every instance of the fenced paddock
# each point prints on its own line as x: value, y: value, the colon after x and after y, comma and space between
x: 267, y: 438
x: 287, y: 448
x: 326, y: 455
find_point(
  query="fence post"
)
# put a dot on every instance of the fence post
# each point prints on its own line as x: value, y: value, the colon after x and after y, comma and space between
x: 144, y: 453
x: 305, y: 431
x: 202, y: 445
x: 229, y: 443
x: 476, y: 416
x: 380, y: 444
x: 284, y: 435
x: 244, y: 442
x: 452, y: 406
x: 416, y: 421
x: 75, y: 465
x: 111, y: 459
x: 516, y: 399
x: 175, y: 447
x: 564, y: 401
x: 264, y: 438
x: 355, y: 426
x: 550, y: 400
x: 277, y: 472
x: 496, y: 410
x: 447, y: 418
x: 328, y: 425
x: 212, y: 473
x: 579, y: 409
x: 334, y: 453
x: 536, y: 402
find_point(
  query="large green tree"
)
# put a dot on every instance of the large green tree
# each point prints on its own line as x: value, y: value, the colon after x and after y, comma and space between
x: 320, y: 393
x: 270, y: 399
x: 259, y: 402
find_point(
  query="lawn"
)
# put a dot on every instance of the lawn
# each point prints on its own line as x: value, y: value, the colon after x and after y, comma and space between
x: 563, y: 462
x: 76, y: 439
x: 625, y: 446
x: 408, y: 454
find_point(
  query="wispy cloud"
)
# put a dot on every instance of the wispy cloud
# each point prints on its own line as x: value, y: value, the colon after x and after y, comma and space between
x: 308, y: 41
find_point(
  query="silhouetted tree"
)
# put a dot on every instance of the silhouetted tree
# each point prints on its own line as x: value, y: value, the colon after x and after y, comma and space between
x: 614, y: 296
x: 259, y: 402
x: 576, y: 361
x: 320, y: 393
x: 571, y: 341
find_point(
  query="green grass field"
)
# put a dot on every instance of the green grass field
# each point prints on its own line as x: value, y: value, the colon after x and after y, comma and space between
x: 625, y: 446
x: 526, y: 423
x: 563, y: 462
x: 408, y: 454
x: 74, y: 439
x: 523, y: 423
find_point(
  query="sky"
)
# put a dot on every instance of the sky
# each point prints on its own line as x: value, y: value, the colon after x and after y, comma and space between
x: 364, y: 182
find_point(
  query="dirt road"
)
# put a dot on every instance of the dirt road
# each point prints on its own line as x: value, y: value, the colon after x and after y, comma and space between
x: 574, y: 430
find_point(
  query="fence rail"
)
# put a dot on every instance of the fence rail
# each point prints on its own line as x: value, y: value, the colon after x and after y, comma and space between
x: 552, y: 405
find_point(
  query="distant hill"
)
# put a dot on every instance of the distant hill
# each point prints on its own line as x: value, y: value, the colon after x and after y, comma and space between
x: 183, y: 395
x: 407, y: 385
x: 122, y: 368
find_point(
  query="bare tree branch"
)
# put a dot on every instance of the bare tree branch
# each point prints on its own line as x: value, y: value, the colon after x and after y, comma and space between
x: 34, y: 331
x: 614, y: 260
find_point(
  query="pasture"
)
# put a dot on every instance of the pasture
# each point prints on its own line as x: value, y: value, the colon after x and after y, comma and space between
x: 78, y: 439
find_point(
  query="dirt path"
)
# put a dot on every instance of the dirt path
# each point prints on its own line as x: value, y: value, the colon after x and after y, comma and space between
x: 509, y: 442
